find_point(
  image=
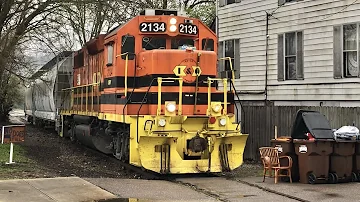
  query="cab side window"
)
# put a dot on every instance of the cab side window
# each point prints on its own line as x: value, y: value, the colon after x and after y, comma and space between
x: 207, y: 44
x: 128, y: 46
x: 110, y: 54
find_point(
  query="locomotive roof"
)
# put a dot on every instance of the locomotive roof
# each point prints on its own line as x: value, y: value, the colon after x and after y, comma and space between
x: 50, y: 64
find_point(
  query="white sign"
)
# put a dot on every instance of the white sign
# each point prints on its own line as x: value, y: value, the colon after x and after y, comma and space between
x: 280, y: 149
x: 303, y: 149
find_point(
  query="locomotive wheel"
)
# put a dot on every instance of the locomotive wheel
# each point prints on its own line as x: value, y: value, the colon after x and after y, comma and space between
x: 354, y: 177
x: 311, y: 178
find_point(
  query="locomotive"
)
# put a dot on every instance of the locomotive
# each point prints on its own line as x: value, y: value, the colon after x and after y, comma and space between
x: 147, y: 92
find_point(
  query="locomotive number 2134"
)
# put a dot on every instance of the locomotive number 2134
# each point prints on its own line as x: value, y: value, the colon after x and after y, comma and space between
x: 153, y: 27
x: 188, y: 29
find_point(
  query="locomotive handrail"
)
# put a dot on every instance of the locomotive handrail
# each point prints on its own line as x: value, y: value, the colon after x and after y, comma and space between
x: 209, y: 94
x: 160, y: 80
x: 86, y: 95
x: 231, y: 67
x: 126, y: 69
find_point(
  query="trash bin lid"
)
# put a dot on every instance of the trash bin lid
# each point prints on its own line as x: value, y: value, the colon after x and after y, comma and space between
x: 313, y: 122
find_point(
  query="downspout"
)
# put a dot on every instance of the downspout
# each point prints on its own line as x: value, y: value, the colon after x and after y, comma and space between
x: 266, y: 56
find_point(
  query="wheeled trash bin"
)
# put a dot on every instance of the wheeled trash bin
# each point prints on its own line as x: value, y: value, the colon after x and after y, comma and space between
x: 356, y: 161
x: 341, y: 161
x: 313, y: 141
x: 286, y: 148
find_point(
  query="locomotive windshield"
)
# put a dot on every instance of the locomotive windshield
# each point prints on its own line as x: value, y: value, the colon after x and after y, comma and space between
x: 150, y: 43
x: 182, y: 42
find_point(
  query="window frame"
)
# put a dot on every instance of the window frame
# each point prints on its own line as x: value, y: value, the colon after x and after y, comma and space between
x: 110, y: 44
x: 283, y: 74
x: 151, y: 38
x: 235, y: 59
x: 226, y: 2
x: 344, y: 69
x: 283, y: 2
x: 286, y: 75
x: 131, y: 56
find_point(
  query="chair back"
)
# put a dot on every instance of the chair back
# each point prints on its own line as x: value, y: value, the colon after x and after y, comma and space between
x: 270, y: 152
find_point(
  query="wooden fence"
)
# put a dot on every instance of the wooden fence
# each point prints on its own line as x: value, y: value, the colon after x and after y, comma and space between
x: 260, y: 121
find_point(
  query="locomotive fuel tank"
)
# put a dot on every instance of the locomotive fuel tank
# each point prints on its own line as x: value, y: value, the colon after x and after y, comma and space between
x: 93, y: 138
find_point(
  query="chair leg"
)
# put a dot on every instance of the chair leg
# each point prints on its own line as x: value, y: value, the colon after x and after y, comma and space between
x: 289, y: 173
x: 264, y: 174
x: 276, y: 175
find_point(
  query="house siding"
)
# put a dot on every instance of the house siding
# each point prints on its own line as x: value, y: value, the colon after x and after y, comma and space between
x: 247, y: 21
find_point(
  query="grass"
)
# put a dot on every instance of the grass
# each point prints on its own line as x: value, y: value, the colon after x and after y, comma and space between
x: 22, y: 166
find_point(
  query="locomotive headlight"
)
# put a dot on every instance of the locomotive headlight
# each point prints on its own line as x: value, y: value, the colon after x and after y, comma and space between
x: 222, y: 121
x: 173, y: 21
x: 173, y: 28
x: 216, y: 108
x: 170, y: 107
x: 162, y: 122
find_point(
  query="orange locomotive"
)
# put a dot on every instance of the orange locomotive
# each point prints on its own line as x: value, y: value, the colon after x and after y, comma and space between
x: 146, y: 93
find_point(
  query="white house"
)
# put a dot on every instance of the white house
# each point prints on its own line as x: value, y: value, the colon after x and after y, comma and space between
x: 293, y: 52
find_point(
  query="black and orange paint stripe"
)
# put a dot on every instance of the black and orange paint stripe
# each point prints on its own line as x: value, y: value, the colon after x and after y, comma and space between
x: 152, y: 98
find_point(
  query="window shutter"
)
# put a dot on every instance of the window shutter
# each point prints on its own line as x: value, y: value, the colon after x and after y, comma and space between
x: 300, y: 56
x: 221, y: 3
x: 282, y: 2
x: 237, y: 58
x: 337, y: 52
x: 280, y: 57
x: 221, y: 63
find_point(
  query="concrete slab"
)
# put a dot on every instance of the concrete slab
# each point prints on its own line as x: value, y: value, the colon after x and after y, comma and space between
x: 71, y: 189
x: 233, y: 191
x: 150, y: 190
x: 307, y: 192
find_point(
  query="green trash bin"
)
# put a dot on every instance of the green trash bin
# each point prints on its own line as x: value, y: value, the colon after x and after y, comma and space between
x: 286, y: 148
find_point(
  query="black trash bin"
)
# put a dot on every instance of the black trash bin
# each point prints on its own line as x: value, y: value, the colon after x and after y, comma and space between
x: 313, y: 141
x: 286, y: 148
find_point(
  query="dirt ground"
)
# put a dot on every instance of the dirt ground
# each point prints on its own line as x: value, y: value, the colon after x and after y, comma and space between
x: 45, y: 154
x: 48, y: 155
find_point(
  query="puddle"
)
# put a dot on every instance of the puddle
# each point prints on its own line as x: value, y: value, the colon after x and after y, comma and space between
x: 332, y: 195
x: 243, y: 196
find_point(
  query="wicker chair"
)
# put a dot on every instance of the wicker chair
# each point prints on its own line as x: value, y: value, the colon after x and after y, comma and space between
x: 271, y: 161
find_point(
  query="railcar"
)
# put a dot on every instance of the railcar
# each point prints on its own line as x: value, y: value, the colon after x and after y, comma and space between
x: 43, y: 98
x: 146, y: 92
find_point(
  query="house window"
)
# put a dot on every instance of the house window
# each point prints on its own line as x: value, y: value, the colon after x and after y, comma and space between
x: 229, y: 52
x: 282, y: 2
x: 231, y: 48
x: 350, y: 50
x: 290, y: 56
x: 110, y: 54
x: 228, y: 2
x: 346, y: 50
